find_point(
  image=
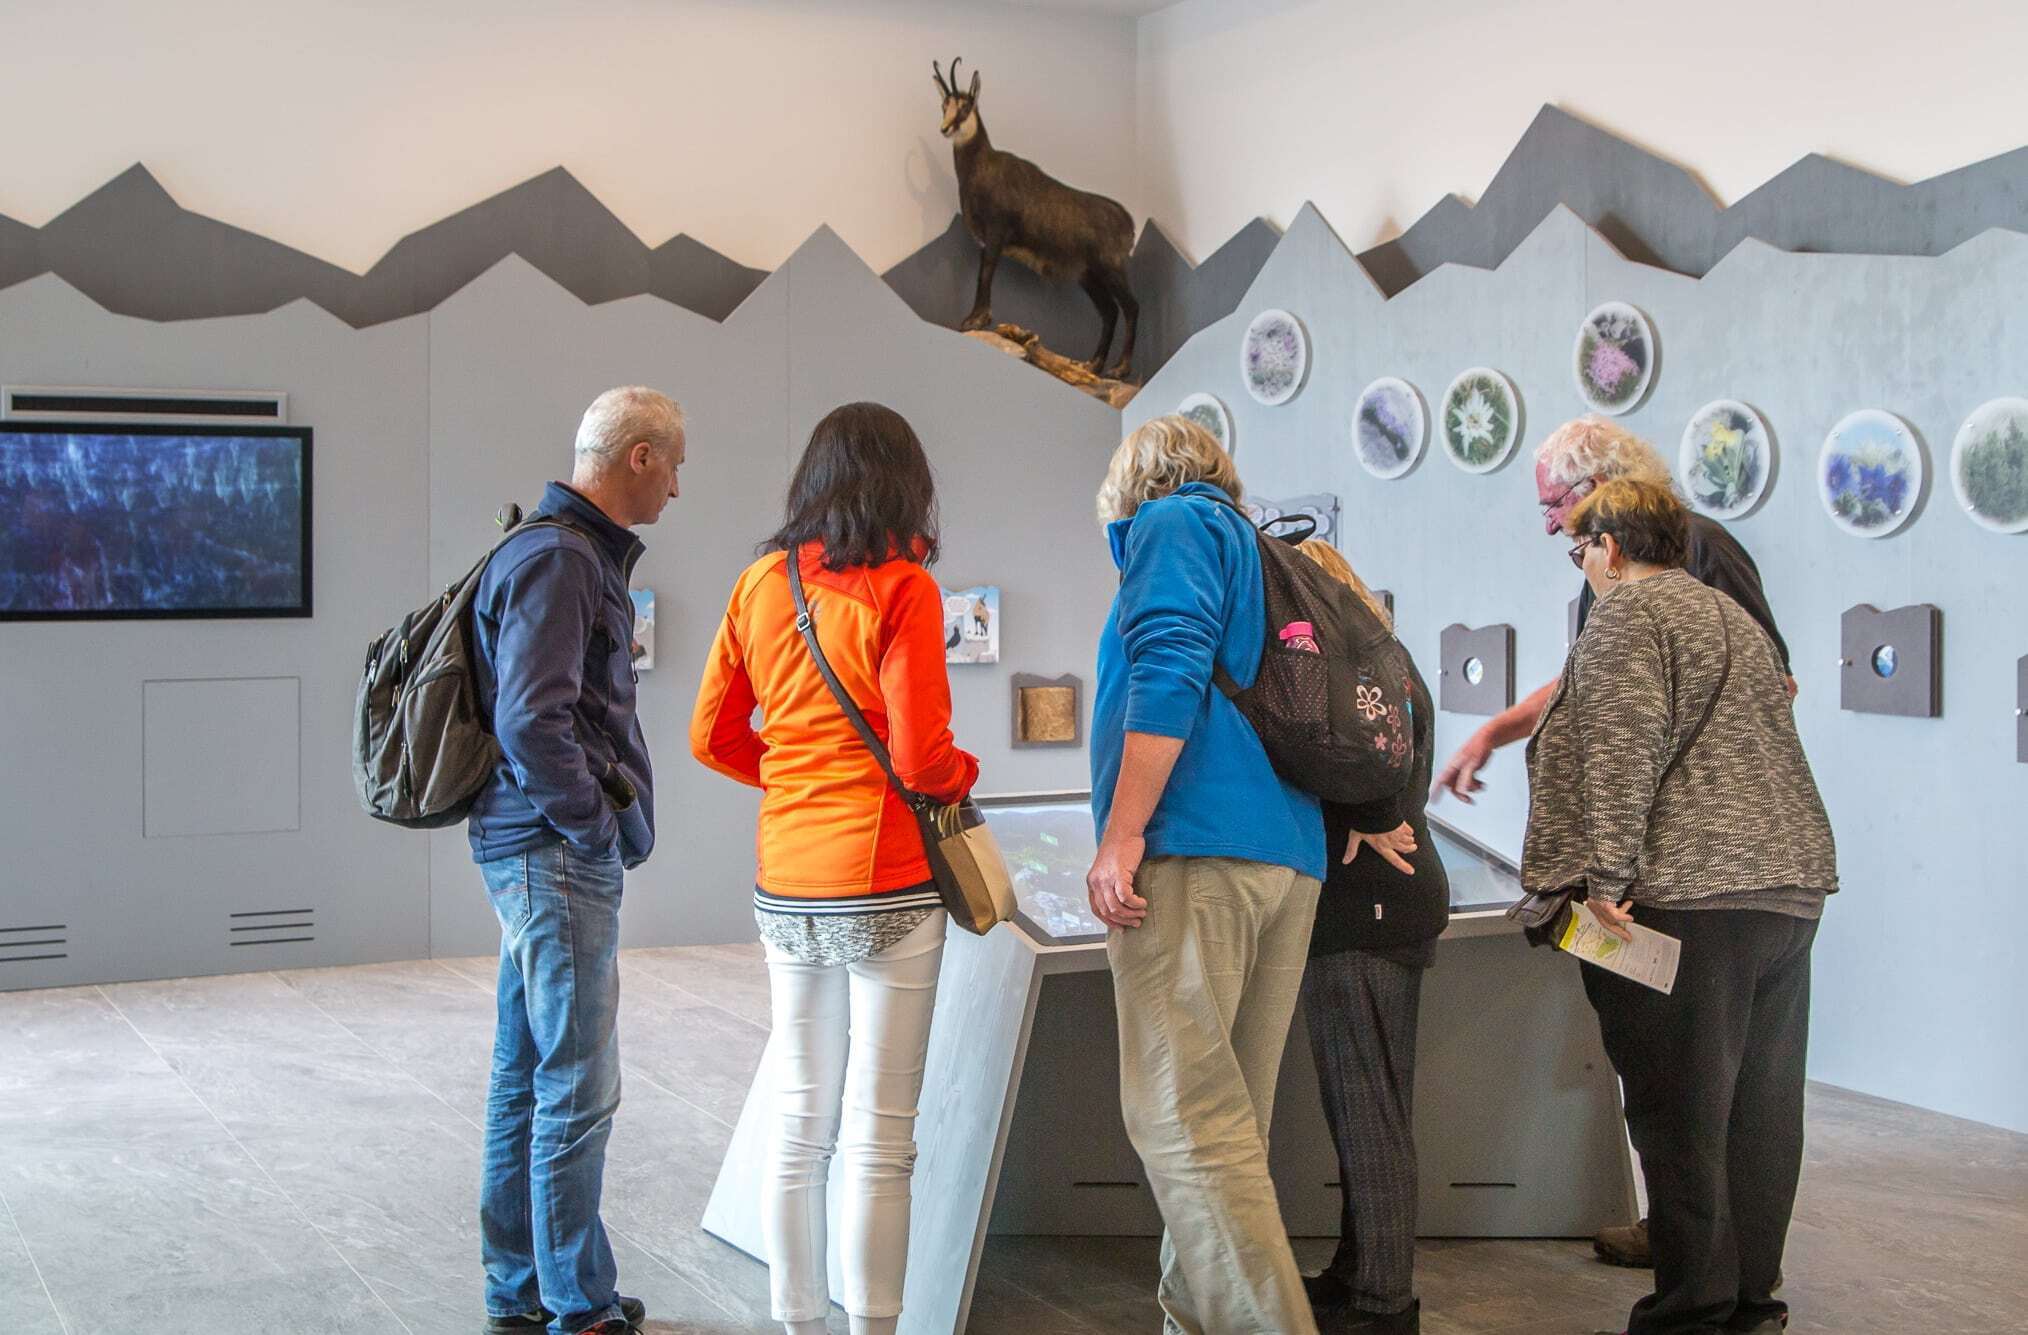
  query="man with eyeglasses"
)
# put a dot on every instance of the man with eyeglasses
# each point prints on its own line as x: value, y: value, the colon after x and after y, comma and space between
x: 1569, y: 466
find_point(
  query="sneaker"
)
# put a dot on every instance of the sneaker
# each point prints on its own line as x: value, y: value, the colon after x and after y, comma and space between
x: 633, y: 1310
x: 1625, y: 1245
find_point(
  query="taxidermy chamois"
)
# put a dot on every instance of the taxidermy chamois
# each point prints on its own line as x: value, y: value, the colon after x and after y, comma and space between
x: 1012, y: 207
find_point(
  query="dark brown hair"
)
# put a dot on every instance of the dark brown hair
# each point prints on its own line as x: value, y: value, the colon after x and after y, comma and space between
x: 1647, y: 520
x: 863, y: 490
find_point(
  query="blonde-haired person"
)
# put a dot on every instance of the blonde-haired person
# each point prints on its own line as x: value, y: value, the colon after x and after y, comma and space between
x: 1207, y: 871
x: 1385, y: 901
x: 1667, y: 785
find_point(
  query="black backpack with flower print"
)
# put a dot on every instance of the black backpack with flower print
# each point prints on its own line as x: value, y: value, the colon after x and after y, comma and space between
x: 1332, y: 699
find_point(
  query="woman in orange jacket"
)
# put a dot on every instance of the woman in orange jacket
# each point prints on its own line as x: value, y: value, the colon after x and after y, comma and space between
x: 845, y: 904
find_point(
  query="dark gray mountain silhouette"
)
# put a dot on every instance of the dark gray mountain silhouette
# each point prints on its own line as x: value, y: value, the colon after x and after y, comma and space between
x: 134, y: 250
x: 1177, y: 298
x: 1658, y: 213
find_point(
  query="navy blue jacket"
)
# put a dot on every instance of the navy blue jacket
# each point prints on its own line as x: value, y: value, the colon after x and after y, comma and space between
x: 555, y: 632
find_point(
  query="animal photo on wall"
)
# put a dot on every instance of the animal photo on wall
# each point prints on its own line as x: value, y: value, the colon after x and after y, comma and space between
x: 972, y: 625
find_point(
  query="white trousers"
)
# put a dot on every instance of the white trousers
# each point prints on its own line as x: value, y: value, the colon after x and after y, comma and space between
x: 849, y: 1046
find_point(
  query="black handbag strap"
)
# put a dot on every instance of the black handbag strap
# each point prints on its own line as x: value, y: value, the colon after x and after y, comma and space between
x: 1711, y: 705
x: 807, y: 624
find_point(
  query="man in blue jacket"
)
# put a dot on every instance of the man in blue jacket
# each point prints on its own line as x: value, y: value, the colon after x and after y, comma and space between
x: 570, y: 806
x: 1208, y: 870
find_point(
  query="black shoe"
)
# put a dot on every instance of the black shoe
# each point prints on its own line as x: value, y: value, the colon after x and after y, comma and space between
x: 1408, y: 1321
x: 1327, y: 1292
x: 632, y: 1309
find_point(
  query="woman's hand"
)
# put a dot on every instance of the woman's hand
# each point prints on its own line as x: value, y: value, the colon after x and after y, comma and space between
x: 1393, y: 846
x: 1615, y: 918
x: 1110, y: 882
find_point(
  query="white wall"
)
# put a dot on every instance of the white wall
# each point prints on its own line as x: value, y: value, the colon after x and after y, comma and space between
x: 1377, y: 110
x: 339, y: 126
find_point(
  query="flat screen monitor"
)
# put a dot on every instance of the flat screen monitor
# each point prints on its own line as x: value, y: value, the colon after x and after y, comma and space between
x: 1048, y: 842
x: 112, y: 522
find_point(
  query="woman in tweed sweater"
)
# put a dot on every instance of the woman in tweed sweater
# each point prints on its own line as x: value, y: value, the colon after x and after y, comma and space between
x: 1667, y: 782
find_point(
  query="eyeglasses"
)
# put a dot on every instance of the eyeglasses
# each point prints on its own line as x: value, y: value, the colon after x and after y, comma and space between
x: 1582, y: 484
x: 1577, y: 552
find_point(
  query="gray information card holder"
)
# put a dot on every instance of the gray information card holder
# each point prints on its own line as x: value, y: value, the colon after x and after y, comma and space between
x: 2021, y: 710
x: 1891, y: 662
x: 1493, y: 647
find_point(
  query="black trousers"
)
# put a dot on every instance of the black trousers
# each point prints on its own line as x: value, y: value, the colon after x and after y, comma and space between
x: 1713, y: 1075
x: 1361, y: 1010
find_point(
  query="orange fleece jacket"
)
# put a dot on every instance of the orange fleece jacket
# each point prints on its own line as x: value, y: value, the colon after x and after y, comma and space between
x: 830, y: 824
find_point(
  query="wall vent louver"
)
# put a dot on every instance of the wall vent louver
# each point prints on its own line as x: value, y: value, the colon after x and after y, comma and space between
x: 22, y: 945
x: 61, y: 403
x: 271, y: 927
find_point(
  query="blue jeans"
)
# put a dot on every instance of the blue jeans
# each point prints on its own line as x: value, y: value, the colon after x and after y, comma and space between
x: 556, y: 1084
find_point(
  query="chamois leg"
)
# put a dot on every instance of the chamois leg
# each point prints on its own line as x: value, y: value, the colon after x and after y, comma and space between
x: 982, y: 306
x: 1118, y: 289
x: 1109, y: 315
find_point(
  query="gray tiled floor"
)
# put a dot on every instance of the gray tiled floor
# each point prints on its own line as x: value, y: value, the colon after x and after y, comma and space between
x: 299, y: 1152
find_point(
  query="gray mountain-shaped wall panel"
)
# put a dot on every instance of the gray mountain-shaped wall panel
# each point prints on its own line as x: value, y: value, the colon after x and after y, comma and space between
x: 1656, y: 212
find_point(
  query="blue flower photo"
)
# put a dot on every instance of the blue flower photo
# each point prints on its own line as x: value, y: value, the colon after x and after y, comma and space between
x: 1870, y: 473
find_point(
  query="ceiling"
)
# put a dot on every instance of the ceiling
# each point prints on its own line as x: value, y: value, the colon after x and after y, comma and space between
x: 1125, y: 9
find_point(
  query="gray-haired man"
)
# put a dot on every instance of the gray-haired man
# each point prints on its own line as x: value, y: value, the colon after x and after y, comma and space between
x: 570, y: 805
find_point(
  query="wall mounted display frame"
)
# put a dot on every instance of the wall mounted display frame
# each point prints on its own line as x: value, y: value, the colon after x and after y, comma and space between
x: 1274, y: 357
x: 972, y: 625
x: 1989, y: 465
x: 1613, y: 359
x: 1870, y: 473
x: 2021, y: 710
x: 644, y: 628
x: 1726, y: 459
x: 1320, y: 507
x: 1047, y: 711
x: 1891, y: 662
x: 1209, y: 412
x: 134, y: 521
x: 1479, y: 421
x: 1475, y: 673
x: 1390, y: 425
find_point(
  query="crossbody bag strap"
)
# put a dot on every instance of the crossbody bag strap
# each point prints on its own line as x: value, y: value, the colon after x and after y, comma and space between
x: 807, y: 625
x: 1711, y: 705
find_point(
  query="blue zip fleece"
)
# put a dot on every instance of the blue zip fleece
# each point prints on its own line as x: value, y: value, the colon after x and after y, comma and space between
x: 1190, y: 595
x: 555, y: 631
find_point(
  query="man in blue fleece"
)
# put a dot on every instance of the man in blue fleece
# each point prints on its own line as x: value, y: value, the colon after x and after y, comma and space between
x: 570, y: 805
x: 1208, y: 870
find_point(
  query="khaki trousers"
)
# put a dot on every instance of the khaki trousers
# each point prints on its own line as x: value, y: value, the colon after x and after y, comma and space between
x: 1205, y: 989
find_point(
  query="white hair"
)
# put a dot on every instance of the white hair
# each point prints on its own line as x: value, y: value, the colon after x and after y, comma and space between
x: 1598, y: 447
x: 620, y: 417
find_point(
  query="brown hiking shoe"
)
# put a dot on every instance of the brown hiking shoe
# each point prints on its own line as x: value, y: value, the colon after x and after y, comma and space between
x: 1625, y: 1245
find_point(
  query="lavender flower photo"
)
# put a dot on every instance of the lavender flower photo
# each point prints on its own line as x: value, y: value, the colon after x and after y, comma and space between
x: 1989, y: 466
x: 1870, y: 473
x: 1725, y: 459
x: 1273, y: 357
x: 1615, y: 358
x: 1389, y: 427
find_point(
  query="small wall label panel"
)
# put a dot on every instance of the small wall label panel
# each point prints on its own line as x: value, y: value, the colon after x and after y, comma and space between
x: 1476, y: 669
x: 1891, y: 662
x: 1048, y: 711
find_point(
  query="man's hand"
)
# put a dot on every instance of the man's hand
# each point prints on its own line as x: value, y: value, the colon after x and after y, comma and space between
x: 1460, y: 777
x: 1392, y: 846
x: 1613, y: 917
x: 1110, y: 882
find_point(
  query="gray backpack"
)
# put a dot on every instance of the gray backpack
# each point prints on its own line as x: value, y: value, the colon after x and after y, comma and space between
x: 421, y: 750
